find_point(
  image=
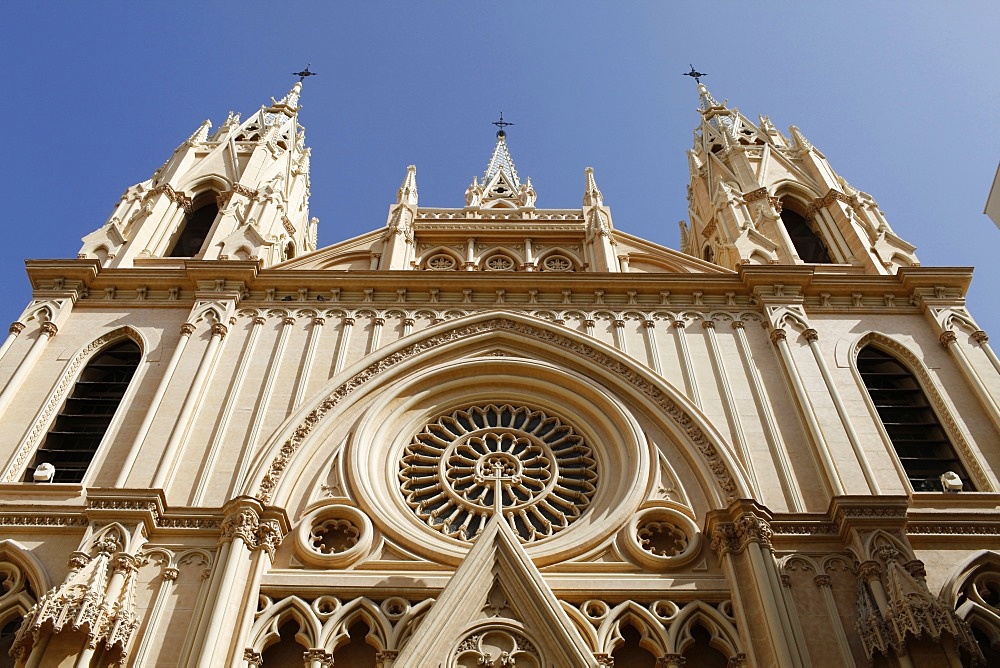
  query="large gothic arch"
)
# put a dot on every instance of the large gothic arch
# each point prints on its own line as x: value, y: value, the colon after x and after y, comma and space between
x: 281, y: 458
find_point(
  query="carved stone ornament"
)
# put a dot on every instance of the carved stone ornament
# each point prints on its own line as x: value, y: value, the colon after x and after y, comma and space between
x: 663, y: 536
x: 333, y: 535
x: 544, y: 472
x: 499, y: 648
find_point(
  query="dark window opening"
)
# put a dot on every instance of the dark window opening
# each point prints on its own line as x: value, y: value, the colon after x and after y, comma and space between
x: 290, y: 250
x: 701, y: 653
x: 920, y: 442
x: 709, y: 254
x: 630, y: 652
x: 808, y: 245
x: 286, y: 651
x: 357, y: 653
x: 80, y: 426
x: 197, y: 226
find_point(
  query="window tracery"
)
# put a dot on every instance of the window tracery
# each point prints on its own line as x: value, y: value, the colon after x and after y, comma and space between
x: 557, y: 262
x: 499, y: 262
x: 468, y: 464
x: 441, y: 262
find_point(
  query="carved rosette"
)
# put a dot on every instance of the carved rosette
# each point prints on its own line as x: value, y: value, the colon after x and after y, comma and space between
x: 333, y: 535
x: 662, y: 536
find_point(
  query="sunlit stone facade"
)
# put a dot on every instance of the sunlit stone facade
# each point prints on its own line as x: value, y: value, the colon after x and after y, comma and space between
x: 498, y: 434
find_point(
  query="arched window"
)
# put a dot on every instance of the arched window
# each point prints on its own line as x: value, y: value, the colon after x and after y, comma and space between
x: 921, y: 443
x: 808, y: 245
x: 289, y: 250
x: 630, y: 652
x: 357, y: 652
x: 197, y: 225
x: 80, y: 426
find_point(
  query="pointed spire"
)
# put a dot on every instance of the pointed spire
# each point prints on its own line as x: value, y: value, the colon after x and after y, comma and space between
x: 201, y: 134
x: 290, y: 102
x: 706, y: 101
x: 501, y: 162
x: 800, y: 139
x: 408, y: 191
x: 591, y: 195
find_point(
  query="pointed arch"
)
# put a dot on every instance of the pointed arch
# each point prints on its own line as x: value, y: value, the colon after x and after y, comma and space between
x: 65, y: 389
x: 973, y: 591
x: 562, y: 357
x: 192, y: 236
x: 723, y: 635
x: 334, y: 632
x: 266, y: 630
x: 893, y: 351
x: 440, y: 258
x: 609, y: 634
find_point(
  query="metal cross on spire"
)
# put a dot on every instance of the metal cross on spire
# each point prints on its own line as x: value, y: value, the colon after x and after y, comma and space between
x: 501, y: 124
x: 304, y: 73
x: 694, y: 74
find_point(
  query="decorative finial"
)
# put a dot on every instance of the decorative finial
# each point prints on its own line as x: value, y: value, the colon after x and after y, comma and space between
x: 501, y: 124
x: 694, y: 74
x: 304, y: 73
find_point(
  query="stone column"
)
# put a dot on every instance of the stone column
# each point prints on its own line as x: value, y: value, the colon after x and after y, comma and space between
x: 619, y: 333
x: 792, y: 493
x: 303, y: 382
x: 15, y: 329
x: 824, y: 583
x: 686, y: 368
x: 177, y: 436
x: 648, y: 327
x: 812, y: 336
x: 820, y: 447
x: 979, y: 336
x: 187, y: 329
x: 270, y: 530
x: 345, y: 336
x: 45, y: 332
x: 950, y: 341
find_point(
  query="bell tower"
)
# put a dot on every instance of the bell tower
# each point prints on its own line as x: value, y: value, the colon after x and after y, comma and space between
x: 239, y: 193
x: 757, y: 196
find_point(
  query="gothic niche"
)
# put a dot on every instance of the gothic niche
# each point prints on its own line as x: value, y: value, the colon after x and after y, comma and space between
x: 468, y: 464
x: 197, y: 225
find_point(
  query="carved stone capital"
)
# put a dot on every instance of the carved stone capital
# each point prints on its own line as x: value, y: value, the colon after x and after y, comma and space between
x: 349, y: 321
x: 319, y: 322
x: 786, y: 581
x: 590, y: 322
x: 738, y: 324
x: 619, y: 323
x: 16, y: 327
x: 78, y: 560
x: 379, y: 321
x: 823, y: 581
x: 671, y: 661
x: 268, y: 536
x: 242, y: 524
x: 916, y: 569
x: 253, y: 659
x: 811, y: 335
x: 386, y: 655
x: 124, y: 563
x: 979, y: 336
x: 320, y: 655
x: 187, y: 329
x: 678, y: 324
x: 288, y: 320
x: 409, y: 322
x: 738, y: 661
x: 753, y: 529
x: 259, y: 320
x: 778, y: 334
x: 947, y: 338
x: 170, y: 574
x: 708, y: 324
x: 219, y: 330
x: 49, y: 329
x: 725, y: 539
x: 869, y: 571
x: 649, y: 324
x: 604, y: 659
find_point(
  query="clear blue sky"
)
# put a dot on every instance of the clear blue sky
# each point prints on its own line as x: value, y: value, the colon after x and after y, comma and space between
x: 902, y: 97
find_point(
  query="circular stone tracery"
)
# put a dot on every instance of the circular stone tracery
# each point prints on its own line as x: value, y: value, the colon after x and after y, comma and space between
x: 452, y: 470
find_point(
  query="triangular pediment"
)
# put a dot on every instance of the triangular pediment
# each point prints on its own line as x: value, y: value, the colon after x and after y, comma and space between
x: 497, y: 592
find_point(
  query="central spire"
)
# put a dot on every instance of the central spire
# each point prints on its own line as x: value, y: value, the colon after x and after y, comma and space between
x: 501, y: 162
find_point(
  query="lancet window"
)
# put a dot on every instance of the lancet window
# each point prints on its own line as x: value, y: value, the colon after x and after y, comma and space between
x: 80, y: 426
x: 921, y: 443
x: 197, y: 226
x: 808, y: 244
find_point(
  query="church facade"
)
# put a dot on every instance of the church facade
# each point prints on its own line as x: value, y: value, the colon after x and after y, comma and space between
x: 498, y: 434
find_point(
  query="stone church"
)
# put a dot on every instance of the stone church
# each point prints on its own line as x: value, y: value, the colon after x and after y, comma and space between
x: 497, y: 434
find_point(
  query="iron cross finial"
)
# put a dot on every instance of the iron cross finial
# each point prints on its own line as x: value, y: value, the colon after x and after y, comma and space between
x: 694, y: 74
x: 304, y: 73
x: 501, y: 124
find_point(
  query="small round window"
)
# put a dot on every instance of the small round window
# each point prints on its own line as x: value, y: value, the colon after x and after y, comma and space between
x: 499, y: 263
x: 441, y: 262
x: 557, y: 263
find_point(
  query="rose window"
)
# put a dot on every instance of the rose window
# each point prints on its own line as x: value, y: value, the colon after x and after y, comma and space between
x: 557, y: 263
x: 529, y: 466
x: 441, y: 262
x: 499, y: 263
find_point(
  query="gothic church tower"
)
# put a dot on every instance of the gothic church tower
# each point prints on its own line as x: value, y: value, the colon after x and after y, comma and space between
x: 241, y: 192
x: 759, y: 197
